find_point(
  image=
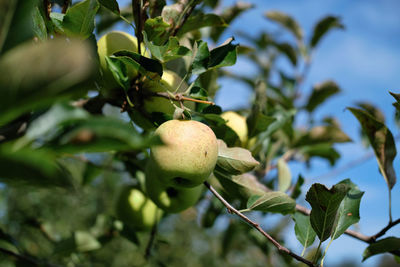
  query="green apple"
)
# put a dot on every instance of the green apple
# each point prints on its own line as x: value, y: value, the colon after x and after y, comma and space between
x: 111, y: 43
x: 136, y: 209
x: 168, y: 198
x: 170, y: 81
x: 189, y: 153
x: 237, y: 123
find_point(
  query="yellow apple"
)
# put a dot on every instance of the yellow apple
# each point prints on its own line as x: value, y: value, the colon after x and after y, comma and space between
x: 237, y: 123
x: 189, y: 153
x: 136, y: 209
x: 168, y: 198
x: 170, y: 81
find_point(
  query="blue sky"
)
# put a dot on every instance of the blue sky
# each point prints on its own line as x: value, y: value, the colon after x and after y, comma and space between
x: 364, y: 60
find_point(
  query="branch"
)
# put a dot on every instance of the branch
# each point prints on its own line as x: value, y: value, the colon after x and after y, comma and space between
x: 180, y: 97
x: 384, y: 230
x: 184, y: 16
x: 232, y: 210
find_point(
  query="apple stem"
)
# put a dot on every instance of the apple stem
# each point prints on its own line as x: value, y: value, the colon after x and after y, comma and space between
x: 232, y: 210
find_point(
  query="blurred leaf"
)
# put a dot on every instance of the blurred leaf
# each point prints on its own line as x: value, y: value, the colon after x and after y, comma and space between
x: 16, y: 25
x: 39, y: 25
x: 79, y: 19
x: 384, y: 245
x: 325, y: 207
x: 372, y: 110
x: 199, y: 21
x: 111, y: 5
x: 323, y: 150
x: 323, y: 26
x: 63, y: 66
x: 228, y: 15
x: 171, y: 50
x: 287, y: 22
x: 33, y: 167
x: 382, y: 142
x: 235, y: 160
x: 284, y: 175
x: 303, y: 229
x: 320, y: 93
x: 85, y: 241
x: 297, y: 187
x: 288, y: 51
x: 272, y: 202
x: 323, y: 134
x: 156, y: 30
x: 258, y: 123
x: 349, y: 210
x: 130, y: 234
x: 100, y: 134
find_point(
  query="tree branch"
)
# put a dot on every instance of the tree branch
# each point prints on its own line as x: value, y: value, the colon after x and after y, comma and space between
x: 232, y: 210
x: 180, y: 97
x: 185, y: 15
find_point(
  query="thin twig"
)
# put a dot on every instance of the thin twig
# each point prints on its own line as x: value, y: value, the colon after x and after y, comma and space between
x: 186, y: 14
x: 384, y: 230
x: 232, y: 210
x: 179, y: 97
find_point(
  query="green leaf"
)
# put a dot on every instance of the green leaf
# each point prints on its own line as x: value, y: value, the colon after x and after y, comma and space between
x: 224, y: 55
x: 145, y: 64
x: 272, y: 202
x: 201, y: 58
x: 303, y: 229
x: 102, y: 134
x: 64, y: 67
x: 16, y: 25
x: 235, y: 160
x: 111, y: 5
x: 79, y: 19
x: 322, y: 134
x: 384, y: 245
x: 323, y: 26
x: 323, y: 150
x: 284, y: 175
x: 85, y: 241
x: 156, y: 30
x: 171, y: 50
x: 33, y: 167
x: 287, y: 22
x: 201, y: 20
x: 325, y: 206
x: 297, y: 187
x: 320, y: 93
x: 289, y: 51
x: 39, y: 25
x: 349, y: 210
x: 258, y: 122
x: 382, y: 142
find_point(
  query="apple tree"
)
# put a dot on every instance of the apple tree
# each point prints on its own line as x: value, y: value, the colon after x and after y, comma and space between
x: 113, y: 151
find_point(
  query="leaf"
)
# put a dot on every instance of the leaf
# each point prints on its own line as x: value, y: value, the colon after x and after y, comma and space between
x: 320, y: 93
x: 284, y: 175
x: 272, y: 202
x: 303, y: 229
x: 287, y: 22
x: 170, y: 51
x: 39, y: 25
x: 145, y: 64
x: 156, y: 30
x: 325, y: 205
x: 64, y: 67
x: 201, y: 20
x: 322, y: 134
x: 201, y: 58
x: 288, y: 51
x: 323, y: 26
x: 323, y: 150
x: 111, y: 5
x: 349, y: 210
x: 296, y: 192
x: 235, y: 160
x: 384, y: 245
x: 33, y: 167
x: 258, y: 122
x: 84, y: 241
x: 79, y: 19
x: 382, y: 142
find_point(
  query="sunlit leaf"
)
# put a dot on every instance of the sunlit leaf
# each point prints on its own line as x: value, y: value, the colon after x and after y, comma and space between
x: 272, y: 202
x: 303, y: 229
x: 284, y: 175
x: 287, y: 22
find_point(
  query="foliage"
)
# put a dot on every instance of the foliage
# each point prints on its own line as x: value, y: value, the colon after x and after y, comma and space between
x: 69, y: 143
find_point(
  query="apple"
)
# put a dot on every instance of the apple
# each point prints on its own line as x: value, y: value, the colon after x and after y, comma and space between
x: 136, y: 209
x: 111, y: 43
x: 189, y: 153
x: 237, y: 123
x: 168, y: 198
x: 170, y: 81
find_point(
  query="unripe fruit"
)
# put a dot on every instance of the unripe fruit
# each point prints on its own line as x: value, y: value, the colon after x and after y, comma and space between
x: 237, y: 123
x: 135, y: 209
x: 189, y: 153
x: 169, y: 198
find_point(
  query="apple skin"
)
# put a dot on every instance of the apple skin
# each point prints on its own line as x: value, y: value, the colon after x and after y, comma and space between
x: 237, y: 123
x: 136, y: 209
x: 169, y: 81
x: 168, y: 198
x: 189, y: 153
x: 107, y: 45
